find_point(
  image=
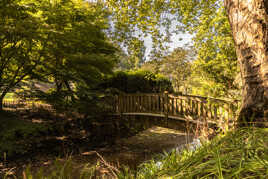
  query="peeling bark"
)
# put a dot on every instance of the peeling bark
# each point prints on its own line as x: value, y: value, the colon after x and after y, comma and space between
x: 249, y: 23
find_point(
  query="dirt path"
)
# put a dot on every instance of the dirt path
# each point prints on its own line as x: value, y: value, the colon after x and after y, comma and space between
x: 137, y: 149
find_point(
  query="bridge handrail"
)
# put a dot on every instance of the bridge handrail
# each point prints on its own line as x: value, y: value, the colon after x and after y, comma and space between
x: 199, y: 107
x: 204, y: 97
x: 174, y: 95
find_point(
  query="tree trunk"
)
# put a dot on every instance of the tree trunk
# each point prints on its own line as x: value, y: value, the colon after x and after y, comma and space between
x: 249, y: 23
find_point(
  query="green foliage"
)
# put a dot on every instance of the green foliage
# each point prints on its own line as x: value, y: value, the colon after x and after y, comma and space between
x: 216, y: 69
x: 176, y: 66
x: 20, y: 38
x: 134, y: 20
x: 18, y: 136
x: 77, y: 49
x: 239, y: 154
x: 61, y: 170
x: 137, y: 81
x: 58, y: 42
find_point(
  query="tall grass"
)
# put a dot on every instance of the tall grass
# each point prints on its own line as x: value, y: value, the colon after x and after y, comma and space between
x: 239, y: 154
x: 58, y: 170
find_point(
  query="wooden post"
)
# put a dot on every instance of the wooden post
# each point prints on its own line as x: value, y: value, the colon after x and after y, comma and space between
x: 166, y: 104
x: 119, y: 104
x: 172, y: 106
x: 215, y: 112
x: 227, y: 116
x: 136, y: 103
x: 181, y: 104
x: 176, y: 107
x: 150, y: 103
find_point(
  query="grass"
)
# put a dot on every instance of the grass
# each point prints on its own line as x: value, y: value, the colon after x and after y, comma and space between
x: 60, y: 171
x: 239, y: 154
x: 242, y: 153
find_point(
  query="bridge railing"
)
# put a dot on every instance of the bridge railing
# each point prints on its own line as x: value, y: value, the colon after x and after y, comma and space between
x: 32, y: 105
x: 172, y: 105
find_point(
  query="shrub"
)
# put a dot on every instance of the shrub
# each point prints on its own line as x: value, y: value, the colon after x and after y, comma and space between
x: 137, y: 81
x: 17, y: 136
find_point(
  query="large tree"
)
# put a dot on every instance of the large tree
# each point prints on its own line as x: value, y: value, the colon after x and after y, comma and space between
x: 20, y: 50
x: 62, y: 42
x: 76, y: 48
x: 249, y: 22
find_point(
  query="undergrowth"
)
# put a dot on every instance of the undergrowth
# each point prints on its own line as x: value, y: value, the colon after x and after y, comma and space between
x: 17, y: 136
x: 242, y: 153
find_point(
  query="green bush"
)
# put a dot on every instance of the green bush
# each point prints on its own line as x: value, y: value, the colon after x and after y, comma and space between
x: 137, y: 81
x: 17, y: 136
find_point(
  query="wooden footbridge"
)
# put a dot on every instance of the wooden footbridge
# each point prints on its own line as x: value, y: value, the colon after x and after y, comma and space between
x: 180, y: 107
x: 196, y: 109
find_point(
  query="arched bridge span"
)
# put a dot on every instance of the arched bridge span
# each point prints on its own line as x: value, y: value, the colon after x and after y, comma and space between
x: 182, y: 107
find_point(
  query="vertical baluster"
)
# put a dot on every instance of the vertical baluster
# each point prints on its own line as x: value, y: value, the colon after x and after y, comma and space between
x: 166, y: 104
x: 181, y: 107
x: 200, y: 110
x: 226, y: 107
x: 186, y: 106
x: 137, y: 103
x: 122, y: 103
x: 146, y: 103
x: 150, y: 104
x: 159, y: 104
x: 220, y: 113
x: 172, y: 106
x: 127, y: 103
x: 163, y: 103
x: 192, y: 110
x: 215, y: 112
x: 140, y: 103
x: 210, y: 111
x: 204, y: 109
x: 189, y: 106
x: 153, y: 103
x: 176, y: 106
x: 195, y: 107
x: 143, y: 103
x: 133, y: 103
